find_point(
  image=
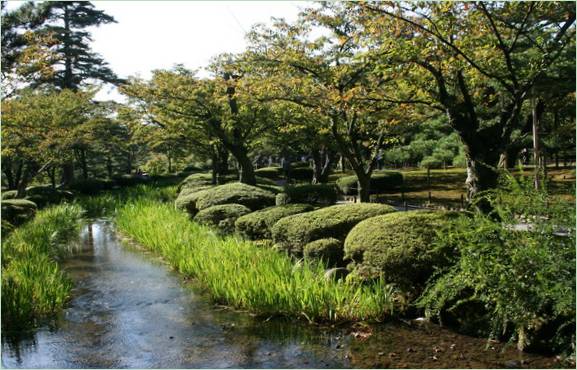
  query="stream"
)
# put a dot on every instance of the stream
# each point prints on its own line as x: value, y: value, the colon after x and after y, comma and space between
x: 130, y: 310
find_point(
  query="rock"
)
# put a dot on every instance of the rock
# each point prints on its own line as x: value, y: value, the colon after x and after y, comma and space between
x: 512, y: 364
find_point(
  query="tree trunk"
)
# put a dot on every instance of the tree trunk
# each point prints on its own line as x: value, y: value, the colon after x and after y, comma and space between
x: 67, y: 173
x: 52, y: 175
x: 247, y: 175
x: 109, y: 167
x: 481, y: 176
x: 322, y: 162
x: 214, y: 165
x: 169, y: 163
x: 364, y: 187
x: 83, y: 164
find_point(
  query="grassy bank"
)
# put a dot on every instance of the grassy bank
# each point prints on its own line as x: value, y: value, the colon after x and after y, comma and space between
x: 33, y: 285
x: 240, y: 274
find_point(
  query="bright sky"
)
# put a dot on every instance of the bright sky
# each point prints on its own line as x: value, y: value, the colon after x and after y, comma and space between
x: 158, y: 34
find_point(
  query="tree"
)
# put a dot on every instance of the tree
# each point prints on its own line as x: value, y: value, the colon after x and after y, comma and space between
x: 38, y: 130
x: 477, y: 62
x: 330, y: 76
x: 213, y: 109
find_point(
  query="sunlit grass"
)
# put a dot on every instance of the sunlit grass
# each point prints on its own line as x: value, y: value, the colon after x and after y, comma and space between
x: 33, y: 285
x: 240, y: 274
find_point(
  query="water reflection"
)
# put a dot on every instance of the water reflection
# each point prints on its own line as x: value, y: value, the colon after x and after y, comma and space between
x: 129, y: 310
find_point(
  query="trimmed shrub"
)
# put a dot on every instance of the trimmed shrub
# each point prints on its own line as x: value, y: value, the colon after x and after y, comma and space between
x: 250, y: 196
x: 186, y: 201
x: 43, y: 195
x: 91, y: 186
x: 399, y: 246
x: 17, y: 211
x: 203, y: 179
x: 321, y: 194
x: 222, y: 216
x: 300, y: 164
x: 193, y: 189
x: 292, y: 233
x: 380, y: 181
x: 9, y: 194
x: 302, y: 173
x: 258, y: 225
x: 272, y: 173
x: 329, y: 250
x: 265, y: 181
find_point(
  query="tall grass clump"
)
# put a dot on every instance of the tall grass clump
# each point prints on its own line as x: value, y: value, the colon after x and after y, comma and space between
x: 33, y: 285
x: 240, y: 274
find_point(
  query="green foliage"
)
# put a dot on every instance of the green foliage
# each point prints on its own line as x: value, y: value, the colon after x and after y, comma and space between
x: 43, y: 195
x: 17, y: 211
x: 258, y: 225
x: 273, y: 173
x: 313, y: 194
x: 380, y: 181
x: 251, y: 196
x: 525, y: 279
x: 91, y: 186
x: 399, y: 247
x: 222, y: 217
x: 33, y: 285
x: 329, y: 250
x: 292, y: 233
x: 9, y: 194
x: 301, y: 173
x: 243, y: 275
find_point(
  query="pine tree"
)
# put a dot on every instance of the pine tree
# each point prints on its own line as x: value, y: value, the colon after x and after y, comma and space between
x: 74, y: 61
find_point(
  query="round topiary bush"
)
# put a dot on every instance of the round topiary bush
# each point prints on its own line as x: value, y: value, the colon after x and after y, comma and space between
x: 43, y: 195
x: 17, y: 211
x: 186, y: 201
x: 203, y: 179
x: 399, y: 246
x: 250, y: 196
x: 301, y: 173
x: 292, y: 233
x: 329, y: 250
x: 222, y: 216
x: 9, y: 194
x: 273, y: 173
x: 258, y: 225
x: 320, y: 194
x: 380, y: 181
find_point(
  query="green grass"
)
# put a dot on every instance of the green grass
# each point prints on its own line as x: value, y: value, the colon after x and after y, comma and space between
x: 33, y: 285
x: 240, y: 274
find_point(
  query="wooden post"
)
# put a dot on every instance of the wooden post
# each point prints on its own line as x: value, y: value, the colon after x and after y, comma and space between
x: 462, y: 201
x: 429, y: 177
x: 430, y: 198
x: 406, y: 206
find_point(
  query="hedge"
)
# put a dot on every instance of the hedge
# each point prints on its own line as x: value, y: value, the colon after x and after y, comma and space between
x: 398, y: 246
x: 301, y: 174
x: 292, y: 233
x: 329, y: 250
x: 320, y: 194
x: 186, y: 201
x: 380, y: 181
x: 9, y: 194
x: 17, y: 211
x: 222, y: 216
x: 272, y: 173
x: 258, y: 225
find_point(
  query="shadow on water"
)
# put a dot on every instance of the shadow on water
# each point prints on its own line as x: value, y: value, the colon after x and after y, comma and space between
x: 129, y: 310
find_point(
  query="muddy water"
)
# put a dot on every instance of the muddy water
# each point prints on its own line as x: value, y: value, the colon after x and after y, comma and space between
x: 130, y: 310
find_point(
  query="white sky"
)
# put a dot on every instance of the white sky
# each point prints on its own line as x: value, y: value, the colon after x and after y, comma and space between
x: 158, y: 34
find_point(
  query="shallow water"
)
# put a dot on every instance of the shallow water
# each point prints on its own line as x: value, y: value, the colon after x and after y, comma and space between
x: 128, y: 309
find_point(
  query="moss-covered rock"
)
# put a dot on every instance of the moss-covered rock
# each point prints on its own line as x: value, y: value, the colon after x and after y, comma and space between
x: 329, y: 250
x: 17, y: 211
x: 273, y: 173
x: 222, y: 216
x: 292, y: 233
x: 399, y: 246
x: 258, y: 225
x: 320, y: 194
x: 250, y: 196
x: 380, y: 181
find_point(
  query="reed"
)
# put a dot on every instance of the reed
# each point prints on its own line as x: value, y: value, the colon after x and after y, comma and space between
x: 240, y: 274
x: 33, y: 285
